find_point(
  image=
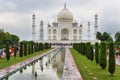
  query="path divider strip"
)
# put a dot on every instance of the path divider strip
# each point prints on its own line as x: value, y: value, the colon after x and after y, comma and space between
x: 70, y: 70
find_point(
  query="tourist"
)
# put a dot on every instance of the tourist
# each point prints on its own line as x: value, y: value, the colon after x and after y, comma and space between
x: 1, y: 51
x: 35, y: 75
x: 116, y: 52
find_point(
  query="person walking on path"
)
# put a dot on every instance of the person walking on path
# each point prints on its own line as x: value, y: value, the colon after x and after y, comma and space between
x: 35, y: 75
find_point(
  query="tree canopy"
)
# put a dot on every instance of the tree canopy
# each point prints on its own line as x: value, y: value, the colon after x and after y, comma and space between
x: 104, y: 37
x: 117, y: 37
x: 6, y: 37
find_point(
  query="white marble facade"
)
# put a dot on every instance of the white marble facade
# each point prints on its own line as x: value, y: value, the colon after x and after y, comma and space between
x: 65, y: 28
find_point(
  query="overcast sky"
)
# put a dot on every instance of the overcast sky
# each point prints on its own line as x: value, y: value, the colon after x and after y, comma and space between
x: 16, y: 15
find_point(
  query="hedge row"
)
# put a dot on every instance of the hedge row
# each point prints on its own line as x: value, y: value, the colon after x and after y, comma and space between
x: 99, y: 52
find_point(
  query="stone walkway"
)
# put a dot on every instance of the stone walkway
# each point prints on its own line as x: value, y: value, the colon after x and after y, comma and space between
x: 70, y: 70
x: 13, y: 68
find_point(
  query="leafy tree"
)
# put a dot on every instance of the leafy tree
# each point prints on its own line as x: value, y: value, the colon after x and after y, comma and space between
x: 103, y: 59
x: 97, y: 52
x: 98, y: 35
x: 104, y: 37
x: 111, y: 67
x: 15, y: 39
x: 117, y: 37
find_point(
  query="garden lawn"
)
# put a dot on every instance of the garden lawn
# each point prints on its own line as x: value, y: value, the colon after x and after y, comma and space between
x: 91, y: 71
x: 4, y: 63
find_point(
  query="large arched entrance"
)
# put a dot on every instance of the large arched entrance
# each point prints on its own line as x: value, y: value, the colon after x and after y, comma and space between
x: 65, y: 34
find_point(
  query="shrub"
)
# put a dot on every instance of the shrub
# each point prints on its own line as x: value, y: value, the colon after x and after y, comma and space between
x: 7, y: 52
x: 96, y: 52
x: 25, y: 49
x: 103, y: 59
x: 32, y: 49
x: 15, y: 52
x: 29, y: 48
x: 111, y: 65
x: 88, y: 46
x: 21, y: 49
x: 91, y: 53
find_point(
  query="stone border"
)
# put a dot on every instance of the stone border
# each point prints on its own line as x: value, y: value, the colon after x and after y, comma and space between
x: 11, y: 69
x: 70, y: 70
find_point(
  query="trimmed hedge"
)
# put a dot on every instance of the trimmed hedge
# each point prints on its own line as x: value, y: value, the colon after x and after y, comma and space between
x: 91, y: 53
x: 103, y: 57
x: 7, y: 52
x: 21, y: 49
x: 111, y: 65
x: 96, y: 52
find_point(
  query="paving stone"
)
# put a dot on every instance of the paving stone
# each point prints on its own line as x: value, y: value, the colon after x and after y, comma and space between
x: 70, y: 70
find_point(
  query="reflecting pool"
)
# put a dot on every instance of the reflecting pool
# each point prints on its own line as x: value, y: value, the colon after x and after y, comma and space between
x: 49, y: 67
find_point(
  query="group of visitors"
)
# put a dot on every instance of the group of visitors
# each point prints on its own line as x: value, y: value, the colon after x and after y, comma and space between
x: 3, y: 52
x: 117, y: 51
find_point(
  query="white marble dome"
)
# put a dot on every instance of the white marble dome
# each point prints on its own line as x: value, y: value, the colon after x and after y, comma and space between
x: 65, y: 15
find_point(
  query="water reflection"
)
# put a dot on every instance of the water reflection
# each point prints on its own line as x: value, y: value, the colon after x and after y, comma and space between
x: 49, y: 67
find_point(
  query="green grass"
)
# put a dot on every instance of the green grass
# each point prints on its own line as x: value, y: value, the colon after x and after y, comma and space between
x: 89, y: 69
x: 4, y: 63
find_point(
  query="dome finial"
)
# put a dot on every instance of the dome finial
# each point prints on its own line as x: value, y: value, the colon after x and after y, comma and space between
x: 65, y: 5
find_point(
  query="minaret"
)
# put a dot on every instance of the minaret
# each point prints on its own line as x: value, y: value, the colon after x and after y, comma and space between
x: 88, y: 31
x: 33, y: 27
x: 65, y: 5
x: 96, y: 26
x: 81, y: 28
x: 41, y: 31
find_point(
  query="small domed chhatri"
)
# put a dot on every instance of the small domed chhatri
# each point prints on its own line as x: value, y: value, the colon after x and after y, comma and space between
x: 65, y: 15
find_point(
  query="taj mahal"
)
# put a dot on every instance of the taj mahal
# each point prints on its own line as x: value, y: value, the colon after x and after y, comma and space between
x: 65, y: 30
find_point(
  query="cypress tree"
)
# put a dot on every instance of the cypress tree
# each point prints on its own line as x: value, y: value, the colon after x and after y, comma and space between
x: 103, y: 59
x: 42, y: 46
x: 7, y: 52
x: 111, y: 67
x: 37, y: 46
x: 96, y: 53
x: 88, y: 50
x: 46, y: 45
x: 25, y: 49
x: 32, y: 48
x: 91, y: 53
x: 79, y: 48
x: 15, y: 52
x: 84, y: 49
x: 21, y: 49
x: 29, y: 48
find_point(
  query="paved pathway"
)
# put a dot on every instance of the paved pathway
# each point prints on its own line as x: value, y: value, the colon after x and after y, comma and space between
x: 70, y: 70
x: 17, y: 66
